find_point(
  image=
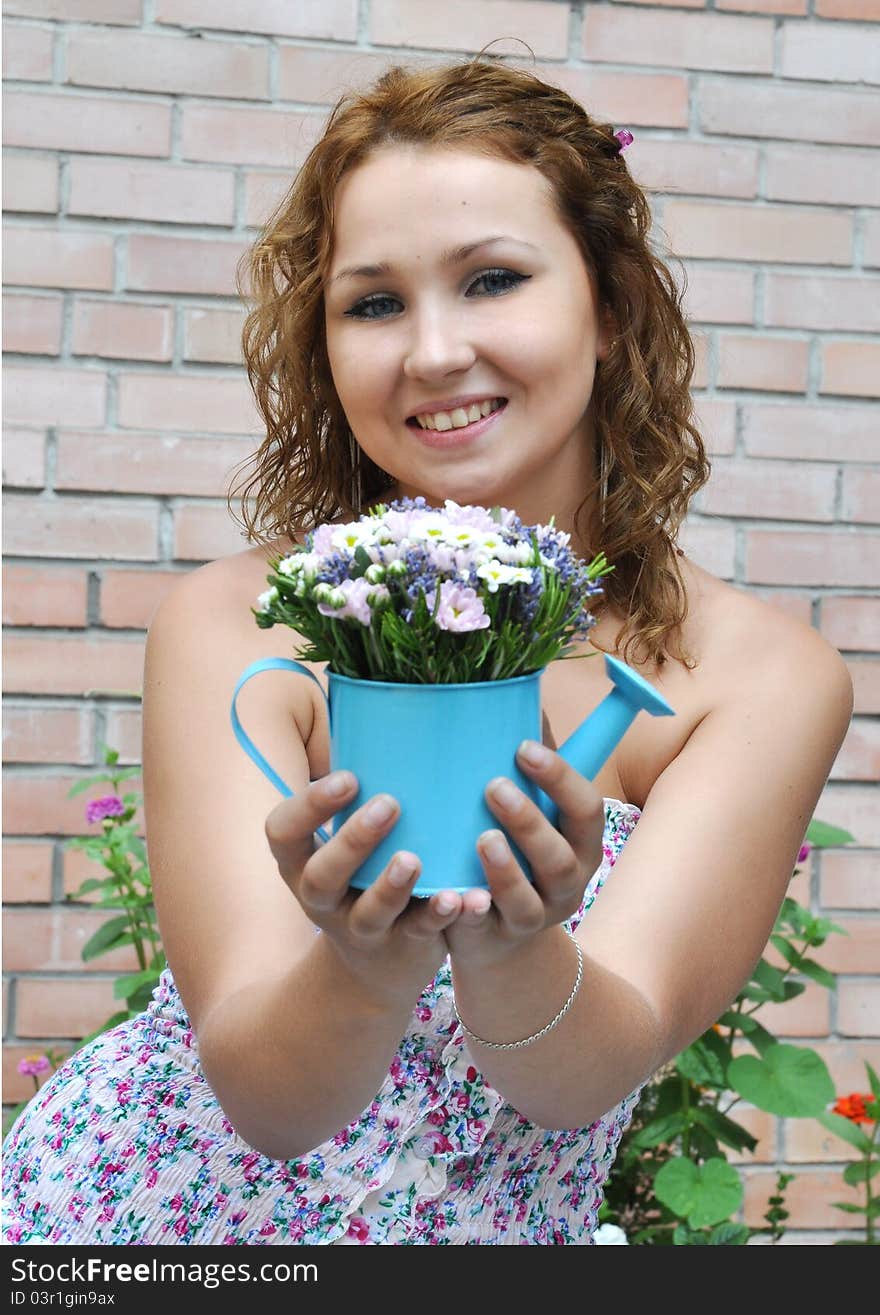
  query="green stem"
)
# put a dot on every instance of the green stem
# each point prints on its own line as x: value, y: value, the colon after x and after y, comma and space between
x: 686, y: 1104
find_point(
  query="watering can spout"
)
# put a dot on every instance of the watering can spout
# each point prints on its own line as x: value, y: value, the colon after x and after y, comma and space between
x: 587, y: 748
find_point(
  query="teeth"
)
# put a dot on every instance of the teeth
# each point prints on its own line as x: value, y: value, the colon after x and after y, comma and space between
x: 458, y: 418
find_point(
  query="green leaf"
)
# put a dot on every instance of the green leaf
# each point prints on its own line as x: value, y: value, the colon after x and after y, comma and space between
x: 874, y: 1081
x: 818, y: 974
x: 729, y: 1235
x: 791, y: 1081
x: 789, y: 952
x: 659, y: 1131
x: 850, y: 1209
x: 770, y: 978
x: 107, y: 937
x: 90, y: 884
x: 845, y: 1128
x: 723, y: 1128
x: 792, y: 989
x: 123, y: 987
x: 823, y: 835
x: 860, y: 1172
x: 699, y: 1064
x: 703, y: 1194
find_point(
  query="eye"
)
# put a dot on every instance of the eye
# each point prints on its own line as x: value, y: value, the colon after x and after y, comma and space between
x: 495, y: 282
x: 375, y: 307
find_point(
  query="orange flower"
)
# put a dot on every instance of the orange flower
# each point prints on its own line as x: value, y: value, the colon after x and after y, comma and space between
x: 852, y: 1107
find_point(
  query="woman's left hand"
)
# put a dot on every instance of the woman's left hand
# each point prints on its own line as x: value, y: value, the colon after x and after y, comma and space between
x: 562, y: 862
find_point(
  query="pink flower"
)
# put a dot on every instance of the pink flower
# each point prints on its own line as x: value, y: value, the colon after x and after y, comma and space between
x: 461, y: 608
x: 110, y: 806
x: 32, y: 1065
x: 804, y: 851
x: 359, y: 1228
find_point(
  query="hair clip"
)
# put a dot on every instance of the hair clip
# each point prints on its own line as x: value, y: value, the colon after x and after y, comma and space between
x: 625, y: 138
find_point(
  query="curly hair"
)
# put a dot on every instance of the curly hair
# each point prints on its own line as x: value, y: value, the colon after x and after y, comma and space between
x: 309, y: 468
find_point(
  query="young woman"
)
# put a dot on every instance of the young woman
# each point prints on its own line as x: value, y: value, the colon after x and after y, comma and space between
x: 456, y: 299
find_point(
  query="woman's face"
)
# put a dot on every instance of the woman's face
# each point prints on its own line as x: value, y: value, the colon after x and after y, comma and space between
x: 463, y: 331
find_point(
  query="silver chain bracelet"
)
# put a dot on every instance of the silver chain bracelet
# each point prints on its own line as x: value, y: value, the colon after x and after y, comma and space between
x: 536, y: 1036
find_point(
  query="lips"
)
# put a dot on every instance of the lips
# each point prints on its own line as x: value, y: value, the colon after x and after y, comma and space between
x: 454, y: 413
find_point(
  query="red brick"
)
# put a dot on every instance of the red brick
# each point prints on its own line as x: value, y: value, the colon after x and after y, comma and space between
x: 24, y: 458
x: 27, y: 872
x: 859, y: 757
x: 126, y: 13
x: 845, y: 1060
x: 750, y: 107
x: 815, y: 52
x: 808, y: 1014
x: 701, y: 359
x: 799, y: 606
x: 850, y: 880
x: 126, y: 330
x: 176, y: 264
x: 47, y: 395
x: 460, y: 25
x: 203, y: 533
x: 858, y: 1008
x: 773, y: 490
x: 838, y: 176
x: 129, y: 598
x: 860, y: 494
x: 319, y: 77
x: 45, y: 664
x: 248, y: 136
x: 866, y: 684
x: 44, y: 596
x: 327, y: 20
x: 863, y: 10
x: 30, y: 182
x: 51, y: 940
x: 851, y: 368
x: 699, y: 41
x: 148, y: 463
x: 124, y: 734
x: 803, y: 557
x: 871, y: 240
x: 104, y: 124
x: 807, y: 1140
x: 790, y: 429
x: 77, y: 868
x: 764, y: 6
x: 221, y: 404
x: 710, y: 546
x: 19, y: 1086
x: 32, y: 324
x: 763, y: 233
x: 81, y: 527
x: 761, y: 362
x: 34, y: 734
x: 857, y: 952
x: 652, y: 99
x: 811, y: 301
x: 169, y: 64
x: 808, y: 1198
x: 853, y: 807
x: 212, y: 335
x: 716, y: 421
x: 263, y: 189
x: 27, y: 52
x: 720, y: 296
x: 168, y: 193
x: 37, y: 804
x: 48, y: 258
x: 63, y: 1006
x: 762, y: 1126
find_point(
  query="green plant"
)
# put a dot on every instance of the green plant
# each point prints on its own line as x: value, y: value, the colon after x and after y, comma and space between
x: 671, y: 1184
x: 127, y: 887
x: 844, y: 1121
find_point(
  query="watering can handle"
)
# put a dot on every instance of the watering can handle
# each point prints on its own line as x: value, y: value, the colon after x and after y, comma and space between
x: 269, y: 664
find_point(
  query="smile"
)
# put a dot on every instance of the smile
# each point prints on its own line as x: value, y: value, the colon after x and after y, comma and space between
x: 459, y: 416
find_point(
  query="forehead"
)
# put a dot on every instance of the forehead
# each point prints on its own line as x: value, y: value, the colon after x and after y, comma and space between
x: 415, y: 196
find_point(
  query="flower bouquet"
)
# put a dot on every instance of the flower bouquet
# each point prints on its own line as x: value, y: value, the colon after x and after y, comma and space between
x: 436, y: 626
x: 412, y: 594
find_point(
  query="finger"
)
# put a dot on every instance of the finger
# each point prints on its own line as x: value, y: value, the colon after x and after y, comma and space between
x: 375, y: 910
x: 556, y: 868
x: 326, y: 875
x: 518, y: 904
x: 476, y: 908
x: 428, y: 917
x: 291, y: 826
x: 581, y: 806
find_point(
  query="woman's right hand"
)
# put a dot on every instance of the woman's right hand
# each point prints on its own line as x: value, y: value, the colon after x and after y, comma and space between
x: 392, y: 943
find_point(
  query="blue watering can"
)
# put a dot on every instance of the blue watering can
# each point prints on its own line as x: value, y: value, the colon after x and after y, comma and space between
x: 435, y: 748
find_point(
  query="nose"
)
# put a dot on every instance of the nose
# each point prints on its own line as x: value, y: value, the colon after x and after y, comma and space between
x: 438, y: 346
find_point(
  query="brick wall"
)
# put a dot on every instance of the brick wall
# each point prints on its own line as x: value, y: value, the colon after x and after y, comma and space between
x: 145, y: 142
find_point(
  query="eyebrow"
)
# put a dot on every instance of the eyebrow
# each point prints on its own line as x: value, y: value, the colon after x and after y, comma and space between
x: 454, y: 256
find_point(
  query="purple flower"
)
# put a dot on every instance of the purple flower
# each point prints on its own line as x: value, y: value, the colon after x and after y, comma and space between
x: 110, y: 806
x: 803, y: 853
x: 32, y: 1065
x: 460, y: 608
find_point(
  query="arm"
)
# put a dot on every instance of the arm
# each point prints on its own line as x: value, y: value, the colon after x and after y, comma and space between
x: 679, y: 928
x: 254, y: 978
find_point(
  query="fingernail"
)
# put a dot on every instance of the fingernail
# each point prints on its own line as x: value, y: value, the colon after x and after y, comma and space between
x: 506, y: 795
x: 338, y: 783
x: 380, y: 810
x: 495, y: 847
x: 534, y: 753
x: 482, y: 904
x: 445, y: 903
x: 401, y: 871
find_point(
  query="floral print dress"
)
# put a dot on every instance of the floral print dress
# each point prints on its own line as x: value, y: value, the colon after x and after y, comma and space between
x: 127, y: 1145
